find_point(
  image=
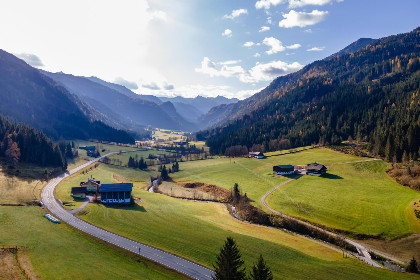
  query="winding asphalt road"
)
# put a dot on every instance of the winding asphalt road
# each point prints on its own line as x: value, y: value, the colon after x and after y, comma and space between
x: 181, y: 265
x: 363, y: 252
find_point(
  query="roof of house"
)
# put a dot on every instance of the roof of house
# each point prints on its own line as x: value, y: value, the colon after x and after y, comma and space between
x: 316, y: 166
x: 90, y: 180
x: 120, y: 187
x: 79, y: 190
x: 286, y: 166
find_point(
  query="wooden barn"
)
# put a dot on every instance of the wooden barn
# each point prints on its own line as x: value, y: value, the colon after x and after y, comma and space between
x: 316, y: 169
x: 78, y: 192
x: 116, y: 193
x: 91, y: 185
x: 286, y: 169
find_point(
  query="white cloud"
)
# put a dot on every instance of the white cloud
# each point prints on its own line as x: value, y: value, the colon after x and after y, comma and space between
x: 249, y: 44
x: 264, y: 28
x: 257, y: 55
x: 152, y: 86
x: 308, y: 30
x: 31, y: 59
x: 274, y: 44
x: 159, y: 15
x: 270, y: 71
x: 210, y: 68
x: 294, y: 46
x: 229, y: 62
x: 227, y: 33
x: 269, y: 21
x: 266, y: 4
x: 127, y: 84
x: 302, y: 19
x: 236, y: 13
x: 301, y: 3
x: 316, y: 49
x: 258, y: 73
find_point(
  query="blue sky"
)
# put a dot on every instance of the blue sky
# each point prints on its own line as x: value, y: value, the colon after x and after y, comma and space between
x: 193, y: 47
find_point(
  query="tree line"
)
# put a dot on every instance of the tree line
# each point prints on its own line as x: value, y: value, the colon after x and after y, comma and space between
x: 22, y: 143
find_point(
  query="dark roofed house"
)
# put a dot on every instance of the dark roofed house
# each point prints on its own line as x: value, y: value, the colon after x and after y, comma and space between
x: 116, y: 193
x: 284, y: 169
x: 316, y: 169
x: 256, y: 155
x: 79, y: 192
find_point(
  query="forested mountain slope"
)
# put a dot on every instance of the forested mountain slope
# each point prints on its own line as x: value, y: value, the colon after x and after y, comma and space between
x: 372, y: 94
x: 30, y: 97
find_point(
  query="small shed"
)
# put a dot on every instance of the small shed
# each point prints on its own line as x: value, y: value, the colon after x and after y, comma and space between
x: 116, y: 193
x: 285, y: 169
x: 79, y: 192
x: 316, y: 169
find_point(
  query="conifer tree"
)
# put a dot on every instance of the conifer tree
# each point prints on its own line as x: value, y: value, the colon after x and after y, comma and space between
x: 229, y: 263
x: 412, y: 267
x: 260, y: 271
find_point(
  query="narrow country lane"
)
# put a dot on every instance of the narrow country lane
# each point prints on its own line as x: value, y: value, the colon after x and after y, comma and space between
x: 179, y: 264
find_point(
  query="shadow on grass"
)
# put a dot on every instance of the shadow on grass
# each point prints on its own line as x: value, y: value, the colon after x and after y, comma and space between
x: 129, y: 207
x: 331, y: 176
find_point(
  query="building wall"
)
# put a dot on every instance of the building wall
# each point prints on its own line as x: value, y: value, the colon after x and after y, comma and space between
x: 116, y: 197
x: 79, y: 195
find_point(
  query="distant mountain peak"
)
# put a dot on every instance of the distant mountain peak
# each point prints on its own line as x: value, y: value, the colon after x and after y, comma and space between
x: 353, y: 47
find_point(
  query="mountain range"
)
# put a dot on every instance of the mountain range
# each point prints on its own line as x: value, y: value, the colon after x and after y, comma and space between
x: 30, y: 97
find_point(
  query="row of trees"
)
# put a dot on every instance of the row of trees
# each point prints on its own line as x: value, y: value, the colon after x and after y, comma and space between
x: 135, y: 163
x: 164, y: 173
x: 21, y: 143
x: 230, y: 266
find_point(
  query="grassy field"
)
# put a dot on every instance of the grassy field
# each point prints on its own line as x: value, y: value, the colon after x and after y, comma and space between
x: 108, y: 147
x: 197, y: 230
x: 356, y: 197
x: 60, y: 252
x: 145, y: 154
x: 320, y: 155
x: 254, y: 178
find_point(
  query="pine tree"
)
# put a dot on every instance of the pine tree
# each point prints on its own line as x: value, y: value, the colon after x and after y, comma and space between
x: 164, y: 173
x: 229, y: 263
x: 412, y: 267
x: 260, y: 271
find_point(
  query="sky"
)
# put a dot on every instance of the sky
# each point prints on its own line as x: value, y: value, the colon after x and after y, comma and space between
x: 187, y: 48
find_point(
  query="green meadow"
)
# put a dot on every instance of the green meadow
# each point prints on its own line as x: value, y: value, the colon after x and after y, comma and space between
x: 305, y: 156
x: 197, y: 230
x: 355, y: 197
x: 58, y: 251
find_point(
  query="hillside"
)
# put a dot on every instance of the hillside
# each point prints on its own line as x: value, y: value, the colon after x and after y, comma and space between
x: 30, y: 97
x: 119, y: 104
x: 371, y: 94
x: 222, y: 114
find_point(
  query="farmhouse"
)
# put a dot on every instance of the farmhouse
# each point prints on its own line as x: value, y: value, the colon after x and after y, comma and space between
x: 91, y: 185
x: 116, y: 193
x: 316, y: 169
x: 78, y: 192
x: 256, y: 155
x: 284, y: 169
